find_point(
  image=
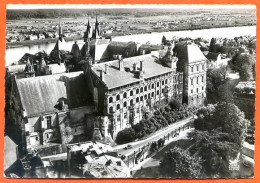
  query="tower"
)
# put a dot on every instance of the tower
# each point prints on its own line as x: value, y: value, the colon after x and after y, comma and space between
x: 96, y: 33
x: 194, y: 75
x: 87, y: 33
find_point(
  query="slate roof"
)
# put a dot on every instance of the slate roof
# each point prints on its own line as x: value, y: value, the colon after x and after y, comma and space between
x: 115, y: 78
x: 194, y: 54
x: 41, y: 94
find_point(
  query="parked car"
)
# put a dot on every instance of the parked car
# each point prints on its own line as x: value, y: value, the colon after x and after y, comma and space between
x: 128, y: 147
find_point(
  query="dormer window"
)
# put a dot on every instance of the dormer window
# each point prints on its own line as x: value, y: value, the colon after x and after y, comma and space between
x: 48, y: 118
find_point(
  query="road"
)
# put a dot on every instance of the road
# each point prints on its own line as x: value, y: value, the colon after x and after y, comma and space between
x: 139, y: 144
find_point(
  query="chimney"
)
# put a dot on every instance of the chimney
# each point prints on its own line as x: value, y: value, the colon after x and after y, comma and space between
x: 121, y: 66
x: 134, y: 67
x: 106, y: 69
x: 101, y: 75
x: 141, y: 65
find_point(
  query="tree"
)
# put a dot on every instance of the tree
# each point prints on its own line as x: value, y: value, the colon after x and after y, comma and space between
x: 175, y: 104
x: 244, y: 65
x: 225, y: 116
x: 125, y: 136
x: 179, y: 163
x: 215, y: 78
x: 215, y: 150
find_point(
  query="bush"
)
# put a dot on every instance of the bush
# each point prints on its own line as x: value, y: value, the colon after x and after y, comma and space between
x: 125, y: 136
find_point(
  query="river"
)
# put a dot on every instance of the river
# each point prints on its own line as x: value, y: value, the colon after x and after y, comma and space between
x: 14, y: 54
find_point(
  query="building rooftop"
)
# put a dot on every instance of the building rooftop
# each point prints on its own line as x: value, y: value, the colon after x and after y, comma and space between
x: 41, y: 94
x: 106, y: 167
x: 115, y: 78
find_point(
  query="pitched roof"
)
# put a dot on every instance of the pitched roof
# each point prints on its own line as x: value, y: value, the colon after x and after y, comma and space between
x: 57, y: 69
x: 194, y: 54
x: 115, y: 78
x: 41, y: 94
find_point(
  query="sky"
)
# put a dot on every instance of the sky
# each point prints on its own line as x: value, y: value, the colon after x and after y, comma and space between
x: 96, y: 6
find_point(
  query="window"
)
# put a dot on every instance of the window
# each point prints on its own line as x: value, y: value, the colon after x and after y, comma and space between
x: 111, y: 110
x: 48, y: 118
x: 131, y: 93
x: 203, y: 67
x: 158, y: 92
x: 191, y: 81
x: 191, y: 91
x: 125, y: 95
x: 202, y: 87
x: 162, y: 82
x: 36, y: 138
x: 191, y: 69
x: 152, y: 86
x: 137, y: 99
x: 145, y: 96
x: 118, y: 118
x: 197, y: 67
x: 110, y: 99
x: 137, y: 110
x: 197, y: 80
x: 145, y: 88
x: 118, y: 106
x: 125, y: 115
x: 149, y: 96
x: 125, y: 104
x: 47, y: 135
x: 142, y: 89
x: 142, y: 98
x: 166, y: 81
x: 152, y: 94
x: 118, y: 97
x: 131, y: 102
x: 202, y: 79
x: 137, y: 91
x: 158, y: 84
x: 197, y: 90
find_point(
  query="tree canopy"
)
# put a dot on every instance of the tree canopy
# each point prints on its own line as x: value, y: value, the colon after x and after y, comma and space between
x: 179, y: 163
x: 244, y: 64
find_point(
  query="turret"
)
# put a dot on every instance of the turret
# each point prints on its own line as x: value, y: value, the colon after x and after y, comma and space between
x: 87, y: 34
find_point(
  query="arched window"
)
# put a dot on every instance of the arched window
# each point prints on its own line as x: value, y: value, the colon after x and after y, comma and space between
x: 111, y: 110
x: 158, y: 84
x: 125, y: 95
x: 145, y: 96
x: 149, y: 95
x: 110, y: 99
x: 131, y: 93
x: 118, y: 97
x: 158, y: 92
x: 118, y: 106
x: 125, y: 104
x: 191, y: 69
x: 142, y: 98
x: 137, y: 91
x: 141, y: 89
x: 162, y: 82
x: 131, y: 102
x: 152, y: 86
x: 145, y: 88
x: 137, y: 99
x: 166, y: 81
x: 152, y: 94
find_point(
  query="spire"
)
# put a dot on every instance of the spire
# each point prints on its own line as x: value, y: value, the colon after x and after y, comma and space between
x: 96, y: 33
x: 60, y: 31
x: 87, y: 34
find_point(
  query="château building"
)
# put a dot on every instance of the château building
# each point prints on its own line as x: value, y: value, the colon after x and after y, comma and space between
x: 106, y: 97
